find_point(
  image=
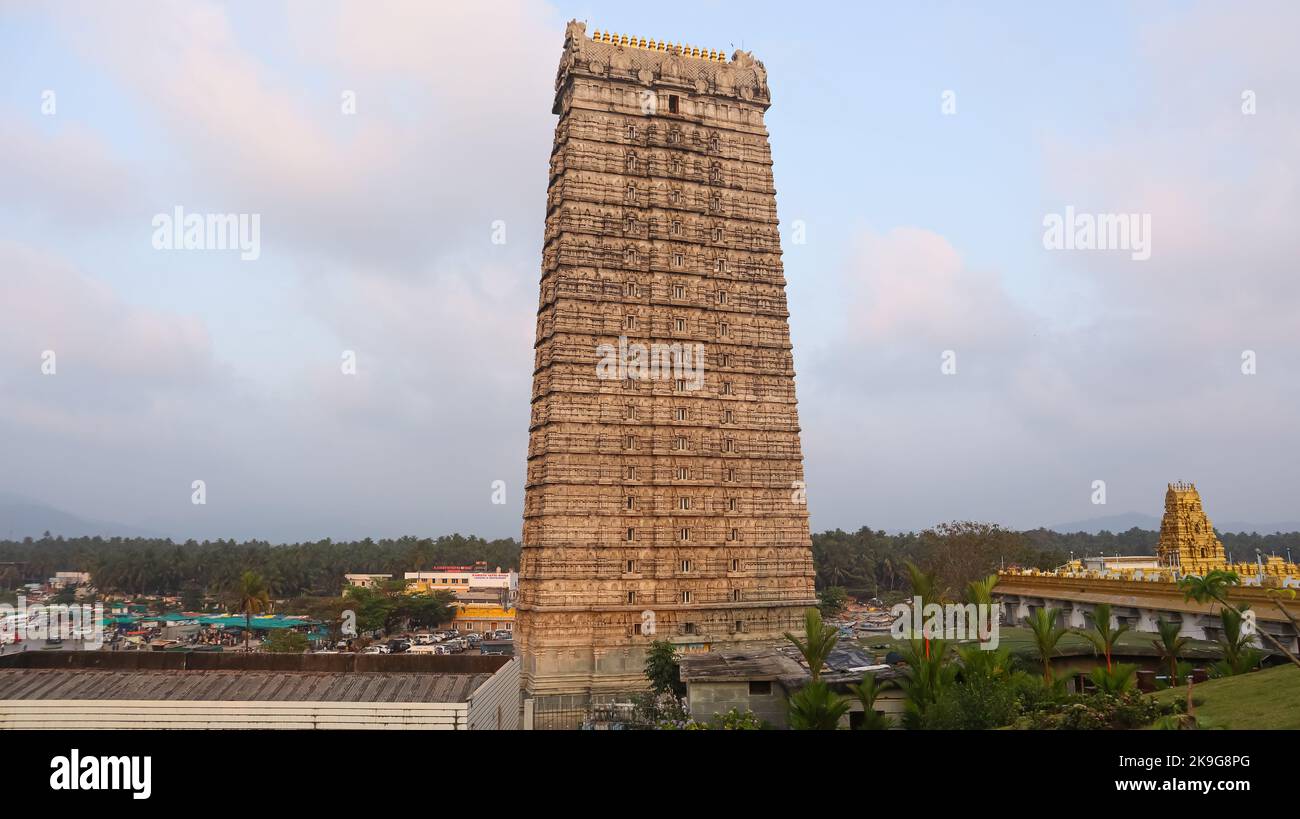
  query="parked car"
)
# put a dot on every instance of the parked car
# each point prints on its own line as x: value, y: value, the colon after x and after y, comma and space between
x: 380, y: 649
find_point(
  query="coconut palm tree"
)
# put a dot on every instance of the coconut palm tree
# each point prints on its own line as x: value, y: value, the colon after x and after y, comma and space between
x: 927, y: 675
x: 818, y: 643
x: 1170, y: 646
x: 253, y: 598
x: 1115, y: 680
x: 1046, y: 634
x: 925, y: 585
x: 1214, y: 586
x: 1105, y: 634
x: 980, y: 592
x: 866, y: 692
x: 816, y: 708
x: 1239, y: 656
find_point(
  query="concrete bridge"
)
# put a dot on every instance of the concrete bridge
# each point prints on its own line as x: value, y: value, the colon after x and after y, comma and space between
x: 1139, y: 604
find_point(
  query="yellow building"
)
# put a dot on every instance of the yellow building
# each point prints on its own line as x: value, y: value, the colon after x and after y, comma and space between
x: 482, y: 617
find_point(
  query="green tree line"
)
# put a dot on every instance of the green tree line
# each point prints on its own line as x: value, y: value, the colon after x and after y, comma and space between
x: 160, y: 566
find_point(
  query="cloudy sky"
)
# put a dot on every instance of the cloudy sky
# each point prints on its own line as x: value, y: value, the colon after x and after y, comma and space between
x: 921, y: 147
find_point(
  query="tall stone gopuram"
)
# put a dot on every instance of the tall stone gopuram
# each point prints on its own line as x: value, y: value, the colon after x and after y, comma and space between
x: 1187, y: 540
x: 664, y: 493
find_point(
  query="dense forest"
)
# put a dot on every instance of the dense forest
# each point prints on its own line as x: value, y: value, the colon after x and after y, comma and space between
x: 866, y: 562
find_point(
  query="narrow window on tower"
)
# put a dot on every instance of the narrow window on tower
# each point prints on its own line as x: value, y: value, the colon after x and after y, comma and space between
x: 735, y: 595
x: 629, y: 442
x: 683, y: 473
x: 672, y: 103
x: 676, y: 228
x: 722, y: 297
x: 686, y: 564
x: 631, y: 163
x: 631, y: 194
x: 686, y: 598
x: 684, y: 504
x: 681, y: 443
x: 631, y: 533
x: 630, y: 415
x: 675, y: 197
x: 684, y: 535
x: 631, y: 132
x: 732, y: 504
x: 726, y: 416
x: 629, y: 290
x: 735, y: 564
x: 631, y: 598
x: 630, y: 257
x: 679, y: 291
x: 715, y: 174
x: 726, y: 388
x: 629, y: 473
x: 681, y: 413
x: 726, y: 444
x: 734, y: 535
x: 717, y: 234
x: 681, y: 385
x: 722, y: 329
x: 681, y: 325
x: 677, y: 260
x: 715, y: 143
x: 631, y: 567
x: 630, y: 323
x: 631, y: 503
x: 729, y: 474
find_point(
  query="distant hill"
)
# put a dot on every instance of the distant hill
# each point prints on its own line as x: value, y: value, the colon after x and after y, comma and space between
x: 1128, y: 520
x: 1109, y: 523
x: 23, y: 517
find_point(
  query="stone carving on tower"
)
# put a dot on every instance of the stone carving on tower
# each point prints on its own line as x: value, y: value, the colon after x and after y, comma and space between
x: 664, y: 495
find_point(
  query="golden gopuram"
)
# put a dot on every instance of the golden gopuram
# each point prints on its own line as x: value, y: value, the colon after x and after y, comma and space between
x: 664, y: 496
x: 1142, y: 589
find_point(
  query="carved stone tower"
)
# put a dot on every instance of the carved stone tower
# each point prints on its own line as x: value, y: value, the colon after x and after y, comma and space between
x: 1187, y: 539
x: 664, y: 494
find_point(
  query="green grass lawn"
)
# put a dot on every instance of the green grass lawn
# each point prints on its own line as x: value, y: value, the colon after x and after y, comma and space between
x: 1264, y: 699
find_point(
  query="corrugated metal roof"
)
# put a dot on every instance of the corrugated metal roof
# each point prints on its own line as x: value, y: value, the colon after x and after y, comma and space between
x: 263, y: 686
